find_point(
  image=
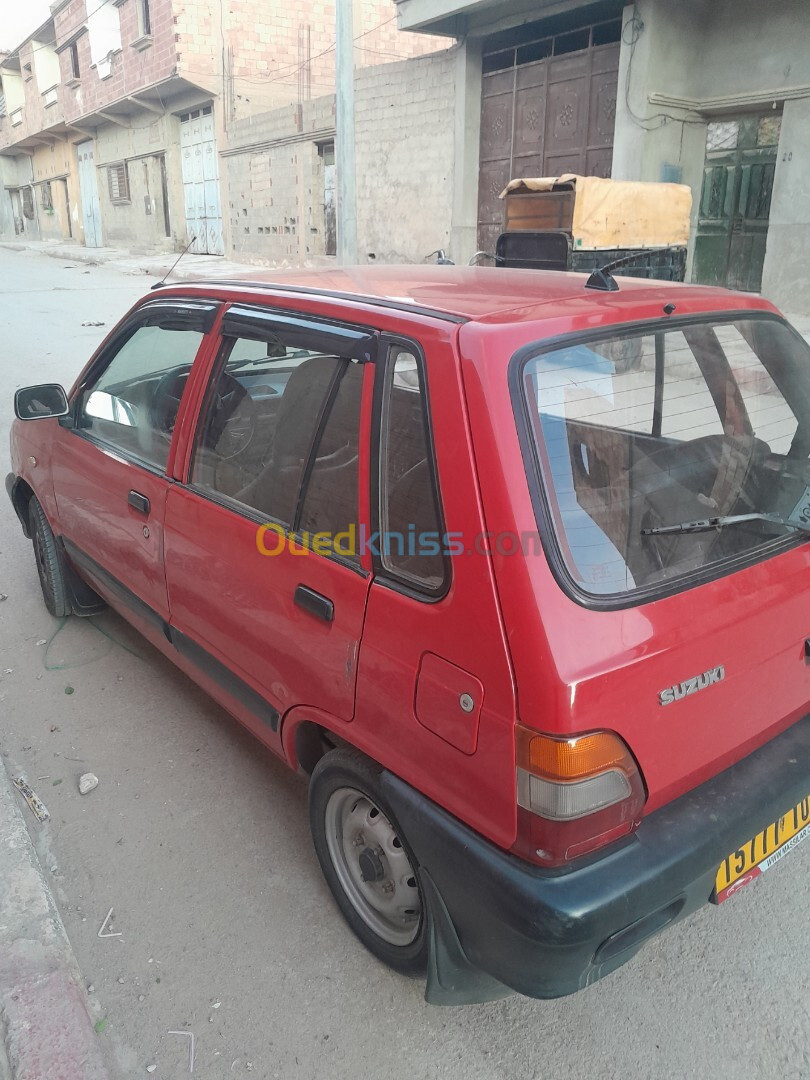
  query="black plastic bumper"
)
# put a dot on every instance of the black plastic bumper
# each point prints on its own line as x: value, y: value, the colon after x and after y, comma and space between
x: 498, y: 922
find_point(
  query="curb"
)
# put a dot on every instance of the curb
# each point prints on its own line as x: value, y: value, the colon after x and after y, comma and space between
x: 45, y: 1028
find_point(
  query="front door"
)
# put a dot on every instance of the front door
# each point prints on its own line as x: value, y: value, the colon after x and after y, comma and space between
x: 91, y: 211
x: 111, y: 461
x: 201, y: 182
x: 277, y: 618
x: 735, y: 201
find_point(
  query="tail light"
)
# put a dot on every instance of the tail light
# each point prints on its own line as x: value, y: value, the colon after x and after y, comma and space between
x: 574, y: 794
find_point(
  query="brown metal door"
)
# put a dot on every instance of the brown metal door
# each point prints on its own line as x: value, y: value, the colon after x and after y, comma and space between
x: 547, y: 107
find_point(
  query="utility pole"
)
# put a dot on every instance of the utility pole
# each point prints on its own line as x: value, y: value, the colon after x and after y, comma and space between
x: 344, y: 144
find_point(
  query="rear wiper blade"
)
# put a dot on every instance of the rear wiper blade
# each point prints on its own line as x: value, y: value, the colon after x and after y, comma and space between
x: 707, y: 524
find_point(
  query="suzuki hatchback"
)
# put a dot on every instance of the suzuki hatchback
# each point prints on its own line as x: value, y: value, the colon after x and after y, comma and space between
x: 512, y: 565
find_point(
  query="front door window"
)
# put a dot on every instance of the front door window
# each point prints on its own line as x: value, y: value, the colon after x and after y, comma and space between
x: 133, y: 404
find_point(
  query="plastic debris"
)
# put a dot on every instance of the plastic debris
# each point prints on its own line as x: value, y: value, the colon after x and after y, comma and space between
x: 3, y: 596
x: 36, y: 804
x: 151, y: 1068
x: 91, y: 323
x: 69, y: 690
x: 42, y: 641
x: 103, y: 931
x: 190, y: 1036
x: 216, y: 1005
x: 87, y: 782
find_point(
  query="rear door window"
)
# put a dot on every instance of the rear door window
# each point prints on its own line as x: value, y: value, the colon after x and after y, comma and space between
x: 638, y: 432
x: 280, y: 432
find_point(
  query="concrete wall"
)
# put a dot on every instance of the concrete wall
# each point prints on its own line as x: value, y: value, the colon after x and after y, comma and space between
x: 140, y: 223
x: 273, y: 171
x: 405, y: 154
x: 709, y: 61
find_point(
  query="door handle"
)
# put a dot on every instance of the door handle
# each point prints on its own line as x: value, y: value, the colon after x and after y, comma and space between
x: 315, y: 603
x: 139, y: 502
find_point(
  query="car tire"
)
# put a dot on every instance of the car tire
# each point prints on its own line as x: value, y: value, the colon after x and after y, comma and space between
x: 49, y: 563
x: 367, y: 862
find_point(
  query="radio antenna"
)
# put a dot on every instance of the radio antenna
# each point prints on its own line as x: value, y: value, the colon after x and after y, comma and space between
x: 170, y: 271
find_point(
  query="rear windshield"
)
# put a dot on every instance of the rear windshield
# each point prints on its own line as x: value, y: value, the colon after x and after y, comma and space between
x: 671, y: 426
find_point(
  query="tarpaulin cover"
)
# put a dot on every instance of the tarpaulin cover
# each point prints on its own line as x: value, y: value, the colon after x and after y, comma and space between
x: 619, y: 213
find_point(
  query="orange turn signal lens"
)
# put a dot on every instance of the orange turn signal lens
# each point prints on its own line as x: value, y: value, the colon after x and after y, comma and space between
x: 571, y: 759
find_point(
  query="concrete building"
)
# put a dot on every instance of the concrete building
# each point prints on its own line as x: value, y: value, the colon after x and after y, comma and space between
x: 114, y: 114
x: 714, y: 93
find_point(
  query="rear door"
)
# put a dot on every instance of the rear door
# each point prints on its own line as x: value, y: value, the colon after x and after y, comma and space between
x: 111, y: 462
x: 267, y: 585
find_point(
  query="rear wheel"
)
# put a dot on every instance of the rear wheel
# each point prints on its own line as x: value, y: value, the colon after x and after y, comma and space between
x: 366, y: 861
x: 49, y: 564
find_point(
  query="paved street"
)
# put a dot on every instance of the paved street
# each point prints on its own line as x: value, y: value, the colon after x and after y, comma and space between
x: 198, y: 838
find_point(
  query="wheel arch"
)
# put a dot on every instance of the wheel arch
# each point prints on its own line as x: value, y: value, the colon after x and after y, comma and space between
x: 21, y: 494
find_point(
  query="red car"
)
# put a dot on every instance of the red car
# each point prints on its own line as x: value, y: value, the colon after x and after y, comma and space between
x: 511, y: 564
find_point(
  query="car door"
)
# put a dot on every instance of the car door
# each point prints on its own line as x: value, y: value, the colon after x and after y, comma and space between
x: 113, y: 453
x: 267, y: 584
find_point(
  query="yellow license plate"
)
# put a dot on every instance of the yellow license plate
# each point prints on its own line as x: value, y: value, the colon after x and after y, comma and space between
x: 762, y: 852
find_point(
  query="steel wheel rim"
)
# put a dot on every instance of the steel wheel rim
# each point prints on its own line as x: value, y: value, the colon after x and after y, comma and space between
x: 373, y: 867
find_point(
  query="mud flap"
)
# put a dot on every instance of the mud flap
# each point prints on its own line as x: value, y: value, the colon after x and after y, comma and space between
x: 451, y: 978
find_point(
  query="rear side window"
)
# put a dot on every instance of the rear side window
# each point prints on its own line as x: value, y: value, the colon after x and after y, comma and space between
x: 280, y: 436
x: 640, y: 435
x: 411, y: 544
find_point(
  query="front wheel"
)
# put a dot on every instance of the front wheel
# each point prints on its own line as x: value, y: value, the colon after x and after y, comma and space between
x: 49, y: 564
x: 366, y: 860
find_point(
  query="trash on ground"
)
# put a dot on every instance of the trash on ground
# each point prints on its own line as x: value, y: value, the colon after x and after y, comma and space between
x: 3, y: 596
x: 69, y: 690
x: 87, y: 782
x: 216, y: 1005
x: 190, y: 1036
x: 101, y: 1025
x: 102, y: 932
x: 151, y: 1068
x: 36, y: 804
x: 93, y: 324
x: 42, y: 641
x: 91, y: 989
x: 56, y: 783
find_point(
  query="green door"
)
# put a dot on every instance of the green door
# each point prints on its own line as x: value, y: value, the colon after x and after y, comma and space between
x: 735, y: 202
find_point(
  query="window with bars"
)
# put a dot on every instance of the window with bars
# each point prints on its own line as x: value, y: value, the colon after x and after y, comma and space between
x: 118, y: 179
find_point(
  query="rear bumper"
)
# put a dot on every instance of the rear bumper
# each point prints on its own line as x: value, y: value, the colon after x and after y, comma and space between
x: 548, y: 934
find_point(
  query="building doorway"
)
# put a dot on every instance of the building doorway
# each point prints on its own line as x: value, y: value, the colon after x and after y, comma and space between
x: 200, y: 160
x: 548, y: 105
x: 735, y: 201
x: 88, y: 185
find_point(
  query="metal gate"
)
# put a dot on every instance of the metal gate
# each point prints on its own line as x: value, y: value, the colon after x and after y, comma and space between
x: 88, y: 184
x: 201, y: 182
x: 735, y: 201
x: 548, y: 106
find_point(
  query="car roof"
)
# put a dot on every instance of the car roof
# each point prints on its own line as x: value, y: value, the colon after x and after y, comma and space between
x: 464, y: 293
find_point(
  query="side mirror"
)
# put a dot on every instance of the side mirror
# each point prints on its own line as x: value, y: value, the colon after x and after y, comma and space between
x: 36, y: 402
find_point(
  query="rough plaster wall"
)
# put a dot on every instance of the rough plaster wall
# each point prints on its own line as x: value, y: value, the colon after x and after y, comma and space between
x: 786, y: 274
x: 404, y: 131
x: 707, y: 51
